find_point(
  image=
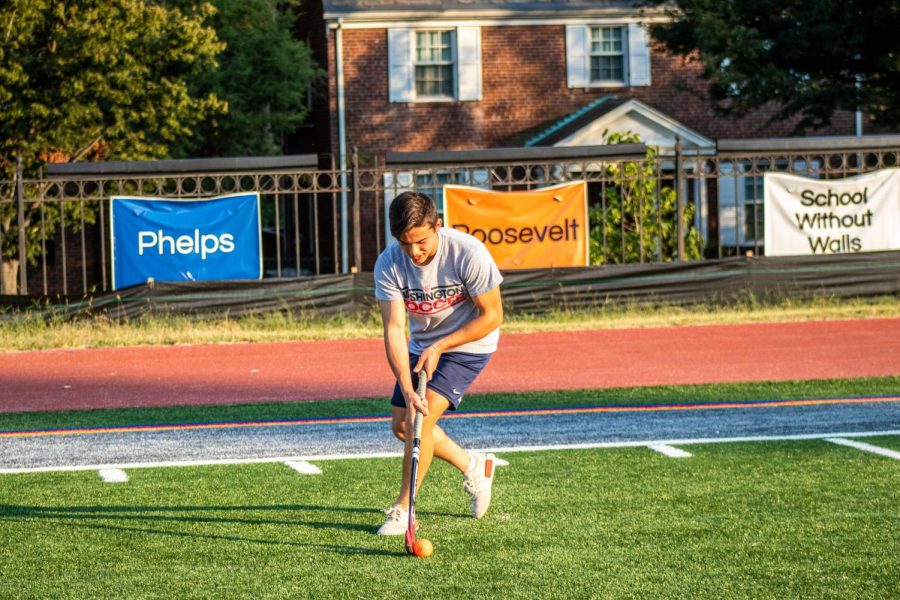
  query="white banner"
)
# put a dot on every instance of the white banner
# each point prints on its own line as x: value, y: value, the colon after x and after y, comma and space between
x: 836, y: 216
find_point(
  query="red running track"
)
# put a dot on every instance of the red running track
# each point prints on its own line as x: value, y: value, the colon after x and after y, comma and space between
x: 220, y: 374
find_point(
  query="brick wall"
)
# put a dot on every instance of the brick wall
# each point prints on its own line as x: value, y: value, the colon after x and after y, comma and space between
x: 524, y: 87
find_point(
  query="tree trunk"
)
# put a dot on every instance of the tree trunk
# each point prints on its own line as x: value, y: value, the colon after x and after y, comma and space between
x: 9, y: 276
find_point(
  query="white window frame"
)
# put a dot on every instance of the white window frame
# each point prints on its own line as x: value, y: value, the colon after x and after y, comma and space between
x: 452, y: 63
x: 622, y: 54
x: 733, y: 202
x: 741, y: 199
x: 465, y: 63
x: 635, y: 55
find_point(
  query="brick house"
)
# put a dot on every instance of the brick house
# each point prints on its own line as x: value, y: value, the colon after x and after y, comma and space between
x: 416, y: 75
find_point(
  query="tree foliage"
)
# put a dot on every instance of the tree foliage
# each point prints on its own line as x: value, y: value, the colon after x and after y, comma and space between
x: 264, y: 75
x: 94, y: 79
x: 100, y: 78
x: 808, y: 57
x: 636, y: 219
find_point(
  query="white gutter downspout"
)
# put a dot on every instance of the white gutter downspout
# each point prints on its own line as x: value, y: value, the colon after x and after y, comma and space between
x: 859, y: 116
x: 342, y: 142
x: 859, y: 123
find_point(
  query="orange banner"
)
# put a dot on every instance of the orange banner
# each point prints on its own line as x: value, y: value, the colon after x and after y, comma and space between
x: 524, y: 230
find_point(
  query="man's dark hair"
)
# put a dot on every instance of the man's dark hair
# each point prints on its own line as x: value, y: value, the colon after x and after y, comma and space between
x: 412, y: 209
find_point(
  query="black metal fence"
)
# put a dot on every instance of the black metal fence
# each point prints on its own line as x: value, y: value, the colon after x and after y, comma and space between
x: 682, y: 204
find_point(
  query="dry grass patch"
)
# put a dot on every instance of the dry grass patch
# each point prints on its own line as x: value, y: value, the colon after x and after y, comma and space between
x: 33, y: 332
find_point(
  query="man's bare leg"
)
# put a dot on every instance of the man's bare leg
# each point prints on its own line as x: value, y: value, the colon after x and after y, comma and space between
x: 434, y: 442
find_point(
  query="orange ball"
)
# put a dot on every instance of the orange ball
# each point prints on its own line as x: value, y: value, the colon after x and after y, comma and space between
x: 423, y: 548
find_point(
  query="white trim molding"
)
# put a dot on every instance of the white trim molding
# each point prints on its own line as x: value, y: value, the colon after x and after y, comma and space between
x: 635, y: 110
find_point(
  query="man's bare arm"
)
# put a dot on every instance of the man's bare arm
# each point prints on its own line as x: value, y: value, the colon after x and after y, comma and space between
x: 393, y: 317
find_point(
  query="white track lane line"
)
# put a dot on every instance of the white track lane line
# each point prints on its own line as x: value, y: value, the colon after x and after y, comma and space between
x: 303, y: 467
x: 113, y: 475
x: 866, y: 447
x: 499, y: 450
x: 670, y: 451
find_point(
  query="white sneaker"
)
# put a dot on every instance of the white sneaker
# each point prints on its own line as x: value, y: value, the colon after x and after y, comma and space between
x: 397, y: 521
x: 478, y: 480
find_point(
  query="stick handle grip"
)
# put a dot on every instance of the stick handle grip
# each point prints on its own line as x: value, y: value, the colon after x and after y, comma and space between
x: 423, y: 386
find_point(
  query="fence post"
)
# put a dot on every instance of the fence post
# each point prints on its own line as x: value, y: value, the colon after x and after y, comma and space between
x: 679, y: 198
x: 20, y: 224
x: 357, y: 238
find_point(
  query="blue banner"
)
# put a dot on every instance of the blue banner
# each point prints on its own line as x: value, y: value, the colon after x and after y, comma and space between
x: 185, y: 240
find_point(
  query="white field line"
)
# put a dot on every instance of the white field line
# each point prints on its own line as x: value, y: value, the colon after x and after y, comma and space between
x: 198, y: 463
x: 690, y: 441
x: 866, y: 447
x: 303, y: 467
x: 113, y: 475
x: 500, y: 450
x: 670, y: 451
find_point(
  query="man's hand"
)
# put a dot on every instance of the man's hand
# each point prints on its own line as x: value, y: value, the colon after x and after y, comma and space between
x: 428, y: 361
x: 417, y: 404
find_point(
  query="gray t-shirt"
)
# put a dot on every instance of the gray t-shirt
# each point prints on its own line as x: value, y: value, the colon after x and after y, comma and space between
x: 438, y: 296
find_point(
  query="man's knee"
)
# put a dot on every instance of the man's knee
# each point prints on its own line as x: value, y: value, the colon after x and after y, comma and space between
x: 399, y: 430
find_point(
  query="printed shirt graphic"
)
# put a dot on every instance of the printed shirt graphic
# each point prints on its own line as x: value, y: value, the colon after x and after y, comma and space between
x: 438, y: 296
x: 430, y: 302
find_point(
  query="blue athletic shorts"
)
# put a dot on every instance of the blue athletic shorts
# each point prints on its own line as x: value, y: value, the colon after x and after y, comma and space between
x: 454, y: 374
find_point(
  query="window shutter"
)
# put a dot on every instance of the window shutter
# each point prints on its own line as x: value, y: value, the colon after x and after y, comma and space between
x: 638, y: 55
x: 468, y: 51
x: 577, y: 70
x: 400, y: 65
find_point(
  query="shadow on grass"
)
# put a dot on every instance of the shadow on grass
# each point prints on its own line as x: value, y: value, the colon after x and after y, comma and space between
x: 82, y: 517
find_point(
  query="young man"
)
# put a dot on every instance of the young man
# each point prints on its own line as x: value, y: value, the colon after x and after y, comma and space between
x: 448, y: 283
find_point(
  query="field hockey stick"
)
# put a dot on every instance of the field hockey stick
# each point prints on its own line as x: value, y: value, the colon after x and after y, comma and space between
x: 414, y: 466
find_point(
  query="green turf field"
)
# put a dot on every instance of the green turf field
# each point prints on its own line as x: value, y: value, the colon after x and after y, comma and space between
x: 767, y: 520
x: 749, y: 520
